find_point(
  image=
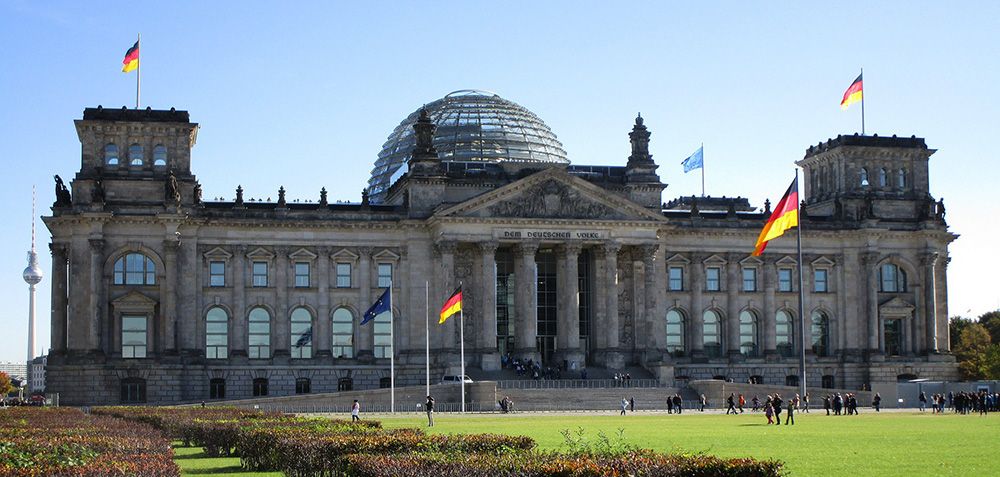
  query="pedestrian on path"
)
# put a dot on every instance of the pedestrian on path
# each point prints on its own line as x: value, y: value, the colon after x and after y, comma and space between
x: 355, y: 411
x: 624, y: 405
x: 429, y: 406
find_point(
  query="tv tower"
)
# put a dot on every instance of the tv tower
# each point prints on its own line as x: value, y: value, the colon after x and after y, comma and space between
x: 32, y: 275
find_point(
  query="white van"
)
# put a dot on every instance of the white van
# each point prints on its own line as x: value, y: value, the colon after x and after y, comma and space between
x: 455, y: 379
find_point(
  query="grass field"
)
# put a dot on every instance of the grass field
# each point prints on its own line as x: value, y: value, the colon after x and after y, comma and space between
x: 889, y: 444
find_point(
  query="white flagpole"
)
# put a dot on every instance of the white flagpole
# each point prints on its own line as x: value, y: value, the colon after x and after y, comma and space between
x: 392, y: 354
x: 702, y: 169
x: 138, y: 69
x: 427, y: 335
x: 461, y: 339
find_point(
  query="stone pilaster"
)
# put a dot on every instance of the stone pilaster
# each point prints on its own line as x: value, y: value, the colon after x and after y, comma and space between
x: 487, y: 340
x: 734, y: 284
x: 97, y: 317
x: 59, y: 299
x: 281, y: 338
x: 930, y: 261
x: 239, y: 340
x: 651, y: 320
x: 168, y: 294
x: 322, y: 334
x: 871, y: 318
x: 526, y: 297
x: 769, y: 279
x: 612, y: 356
x: 365, y: 335
x: 694, y: 327
x: 188, y: 298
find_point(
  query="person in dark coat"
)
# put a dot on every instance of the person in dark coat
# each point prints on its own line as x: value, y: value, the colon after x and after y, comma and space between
x: 776, y: 402
x: 731, y: 404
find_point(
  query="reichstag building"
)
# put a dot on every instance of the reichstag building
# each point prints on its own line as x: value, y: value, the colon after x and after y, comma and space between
x: 160, y: 295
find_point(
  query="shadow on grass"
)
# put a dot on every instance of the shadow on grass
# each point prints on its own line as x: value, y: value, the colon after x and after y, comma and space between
x: 216, y: 470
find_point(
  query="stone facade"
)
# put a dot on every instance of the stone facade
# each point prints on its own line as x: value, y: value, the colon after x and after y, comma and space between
x: 160, y: 296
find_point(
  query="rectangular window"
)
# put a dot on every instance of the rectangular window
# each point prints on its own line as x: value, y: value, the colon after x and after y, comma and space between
x: 343, y: 275
x: 784, y: 279
x: 217, y: 274
x: 133, y: 336
x: 819, y: 281
x: 676, y: 279
x: 260, y: 274
x: 749, y: 279
x: 713, y: 279
x: 217, y: 389
x: 302, y: 274
x: 384, y: 275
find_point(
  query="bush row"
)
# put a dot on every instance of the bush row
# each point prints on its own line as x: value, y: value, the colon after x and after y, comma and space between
x: 36, y: 442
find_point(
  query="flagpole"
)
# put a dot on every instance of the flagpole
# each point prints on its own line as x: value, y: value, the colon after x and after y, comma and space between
x: 461, y: 339
x: 862, y: 101
x: 427, y: 335
x: 802, y: 319
x: 392, y: 354
x: 138, y: 69
x: 703, y: 169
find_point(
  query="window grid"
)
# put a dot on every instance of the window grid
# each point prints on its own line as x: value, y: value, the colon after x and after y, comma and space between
x: 135, y: 155
x: 820, y: 284
x: 343, y: 334
x: 134, y: 269
x: 217, y: 274
x: 160, y: 156
x: 382, y: 337
x: 784, y: 279
x: 712, y: 335
x: 216, y: 334
x: 111, y: 155
x: 820, y: 333
x: 749, y: 279
x: 675, y: 332
x: 259, y: 274
x: 343, y: 275
x: 676, y: 282
x: 259, y: 334
x: 713, y: 279
x: 748, y: 334
x: 303, y: 386
x: 384, y: 275
x: 783, y: 334
x: 134, y: 338
x: 301, y: 334
x: 302, y: 274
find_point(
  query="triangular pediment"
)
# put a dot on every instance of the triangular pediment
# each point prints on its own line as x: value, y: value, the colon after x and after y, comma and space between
x: 218, y: 253
x: 714, y: 260
x: 896, y: 306
x: 823, y: 262
x: 551, y: 194
x: 386, y: 256
x: 132, y: 300
x: 260, y: 253
x: 786, y: 261
x: 678, y: 259
x: 345, y: 255
x: 302, y: 255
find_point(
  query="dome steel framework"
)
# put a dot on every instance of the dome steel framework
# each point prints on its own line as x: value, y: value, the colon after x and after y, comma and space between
x: 472, y: 126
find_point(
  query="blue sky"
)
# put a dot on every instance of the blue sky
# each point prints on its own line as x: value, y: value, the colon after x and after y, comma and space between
x: 303, y: 97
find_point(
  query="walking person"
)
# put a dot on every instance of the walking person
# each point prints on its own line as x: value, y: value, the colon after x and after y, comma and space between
x: 923, y: 401
x: 805, y: 403
x: 776, y: 402
x: 704, y: 402
x: 731, y: 404
x: 631, y: 404
x: 429, y: 406
x: 355, y: 411
x: 624, y: 405
x: 769, y: 411
x: 743, y: 402
x: 876, y: 402
x: 678, y: 403
x: 790, y: 417
x: 670, y: 404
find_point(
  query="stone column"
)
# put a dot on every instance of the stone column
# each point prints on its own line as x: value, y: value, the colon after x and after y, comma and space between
x: 239, y: 340
x: 96, y: 315
x: 487, y: 340
x: 868, y: 261
x: 653, y: 333
x: 188, y: 308
x: 282, y: 322
x: 769, y: 335
x: 78, y: 314
x: 731, y: 340
x: 695, y: 321
x: 568, y: 303
x: 526, y: 295
x: 941, y: 303
x: 168, y: 294
x: 322, y: 331
x: 930, y: 265
x: 59, y: 299
x: 365, y: 335
x: 613, y: 358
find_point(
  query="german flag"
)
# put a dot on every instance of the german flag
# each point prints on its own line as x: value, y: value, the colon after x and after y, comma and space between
x: 853, y: 94
x: 452, y: 306
x: 785, y: 216
x: 131, y: 60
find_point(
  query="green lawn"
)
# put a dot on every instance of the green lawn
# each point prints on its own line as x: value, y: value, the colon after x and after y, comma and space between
x: 192, y: 461
x: 890, y: 444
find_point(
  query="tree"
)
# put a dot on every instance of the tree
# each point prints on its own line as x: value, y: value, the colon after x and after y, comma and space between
x: 991, y: 320
x: 973, y: 344
x: 5, y: 385
x: 992, y: 362
x: 956, y: 324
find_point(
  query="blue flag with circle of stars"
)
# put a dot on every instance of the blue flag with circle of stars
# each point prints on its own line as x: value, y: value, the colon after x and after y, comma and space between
x: 694, y: 161
x: 382, y: 305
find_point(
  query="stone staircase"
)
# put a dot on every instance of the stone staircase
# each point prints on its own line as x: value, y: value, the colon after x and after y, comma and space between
x: 589, y: 399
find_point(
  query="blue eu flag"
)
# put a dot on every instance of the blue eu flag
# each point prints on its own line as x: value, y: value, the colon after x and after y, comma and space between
x: 694, y: 161
x: 382, y: 305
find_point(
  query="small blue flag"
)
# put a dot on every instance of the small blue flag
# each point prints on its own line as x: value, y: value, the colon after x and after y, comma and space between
x: 695, y: 161
x: 382, y: 305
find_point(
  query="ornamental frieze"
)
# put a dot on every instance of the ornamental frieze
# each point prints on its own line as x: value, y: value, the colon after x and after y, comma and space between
x: 553, y: 199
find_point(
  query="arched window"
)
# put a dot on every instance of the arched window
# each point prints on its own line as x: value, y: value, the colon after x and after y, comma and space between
x: 302, y: 333
x: 675, y: 333
x: 216, y: 333
x: 134, y: 269
x: 343, y: 334
x: 383, y: 336
x: 135, y: 155
x: 820, y: 333
x: 111, y: 155
x: 259, y: 334
x: 863, y: 177
x: 748, y: 333
x: 783, y: 333
x: 712, y: 334
x: 160, y: 156
x: 901, y: 179
x: 883, y: 178
x: 891, y: 278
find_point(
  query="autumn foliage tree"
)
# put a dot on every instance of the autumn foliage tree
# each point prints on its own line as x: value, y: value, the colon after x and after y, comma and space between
x: 6, y: 387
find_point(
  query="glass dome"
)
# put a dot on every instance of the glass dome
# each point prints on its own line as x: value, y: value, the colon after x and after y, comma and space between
x: 472, y: 126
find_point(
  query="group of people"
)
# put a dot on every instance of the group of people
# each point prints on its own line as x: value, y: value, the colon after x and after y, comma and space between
x: 623, y: 380
x: 964, y: 402
x: 846, y: 404
x: 506, y: 405
x: 675, y: 404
